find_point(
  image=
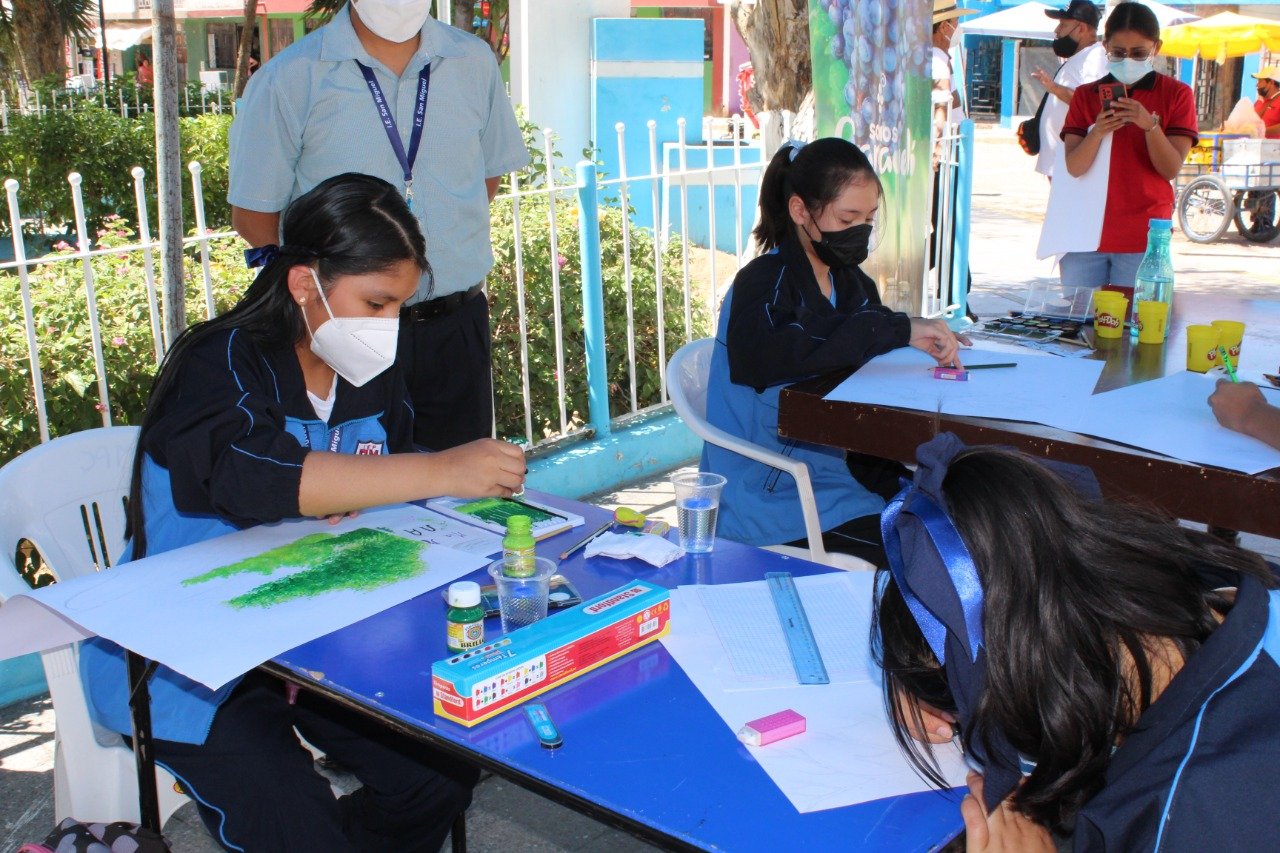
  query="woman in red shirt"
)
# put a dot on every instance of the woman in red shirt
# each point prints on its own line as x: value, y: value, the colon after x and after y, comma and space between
x: 1148, y: 129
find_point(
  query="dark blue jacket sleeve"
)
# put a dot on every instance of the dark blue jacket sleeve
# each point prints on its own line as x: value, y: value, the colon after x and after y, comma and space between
x: 221, y: 435
x: 781, y: 330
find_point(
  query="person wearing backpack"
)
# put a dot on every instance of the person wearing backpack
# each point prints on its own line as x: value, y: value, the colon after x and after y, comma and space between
x: 1075, y: 40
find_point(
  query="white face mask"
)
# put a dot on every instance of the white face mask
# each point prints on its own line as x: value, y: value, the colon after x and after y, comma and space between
x: 1130, y: 71
x: 393, y: 20
x: 358, y: 348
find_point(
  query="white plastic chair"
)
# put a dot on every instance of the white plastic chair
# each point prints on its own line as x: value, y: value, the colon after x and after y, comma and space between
x: 687, y: 384
x: 68, y: 498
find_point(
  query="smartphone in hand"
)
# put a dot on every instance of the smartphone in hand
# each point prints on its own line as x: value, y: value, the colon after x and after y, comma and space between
x: 1109, y: 93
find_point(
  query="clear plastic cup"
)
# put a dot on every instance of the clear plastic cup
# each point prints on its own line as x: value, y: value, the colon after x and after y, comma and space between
x: 522, y: 600
x: 697, y: 505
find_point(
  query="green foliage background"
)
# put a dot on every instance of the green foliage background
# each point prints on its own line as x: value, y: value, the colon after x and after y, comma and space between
x: 104, y: 148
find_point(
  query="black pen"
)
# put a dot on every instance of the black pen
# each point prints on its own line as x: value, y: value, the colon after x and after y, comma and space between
x: 565, y: 554
x: 990, y: 366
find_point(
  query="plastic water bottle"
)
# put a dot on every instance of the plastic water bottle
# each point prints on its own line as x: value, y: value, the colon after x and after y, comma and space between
x: 1154, y: 282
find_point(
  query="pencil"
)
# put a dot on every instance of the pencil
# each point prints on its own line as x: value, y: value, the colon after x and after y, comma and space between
x: 1226, y: 362
x: 572, y: 549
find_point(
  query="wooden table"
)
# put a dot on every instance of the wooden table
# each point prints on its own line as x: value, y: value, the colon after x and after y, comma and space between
x: 1184, y: 490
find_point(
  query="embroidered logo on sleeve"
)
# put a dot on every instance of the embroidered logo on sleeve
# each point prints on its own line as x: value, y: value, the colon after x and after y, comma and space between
x: 369, y: 448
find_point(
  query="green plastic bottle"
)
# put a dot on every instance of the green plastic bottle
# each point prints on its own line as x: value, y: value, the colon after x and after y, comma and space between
x: 517, y: 548
x: 464, y: 621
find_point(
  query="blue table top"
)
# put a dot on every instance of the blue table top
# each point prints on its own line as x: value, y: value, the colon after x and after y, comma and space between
x: 642, y: 748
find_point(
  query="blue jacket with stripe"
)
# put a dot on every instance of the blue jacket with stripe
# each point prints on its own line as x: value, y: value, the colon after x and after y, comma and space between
x: 776, y: 328
x: 1201, y: 770
x: 225, y: 452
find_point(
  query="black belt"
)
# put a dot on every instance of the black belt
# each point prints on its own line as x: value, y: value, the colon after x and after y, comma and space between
x: 441, y: 306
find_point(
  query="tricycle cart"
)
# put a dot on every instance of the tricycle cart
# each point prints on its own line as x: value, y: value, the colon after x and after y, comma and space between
x: 1242, y: 188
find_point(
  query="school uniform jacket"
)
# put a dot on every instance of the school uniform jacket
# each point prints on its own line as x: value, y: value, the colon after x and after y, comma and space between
x: 777, y: 328
x: 1202, y: 769
x: 226, y: 453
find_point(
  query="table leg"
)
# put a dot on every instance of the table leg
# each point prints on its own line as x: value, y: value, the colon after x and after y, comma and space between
x: 140, y: 671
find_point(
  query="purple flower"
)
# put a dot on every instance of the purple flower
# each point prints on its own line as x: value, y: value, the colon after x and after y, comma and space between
x: 117, y: 341
x: 62, y: 246
x: 561, y: 260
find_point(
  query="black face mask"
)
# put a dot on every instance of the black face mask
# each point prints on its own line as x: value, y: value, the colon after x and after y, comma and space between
x: 1065, y: 47
x: 846, y: 248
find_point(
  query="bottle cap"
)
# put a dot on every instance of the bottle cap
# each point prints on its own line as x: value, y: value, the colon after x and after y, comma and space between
x: 464, y: 594
x: 520, y: 525
x: 1161, y: 225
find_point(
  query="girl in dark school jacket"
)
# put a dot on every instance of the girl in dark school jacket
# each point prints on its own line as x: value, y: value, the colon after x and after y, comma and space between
x: 802, y: 309
x: 1115, y: 675
x: 291, y: 405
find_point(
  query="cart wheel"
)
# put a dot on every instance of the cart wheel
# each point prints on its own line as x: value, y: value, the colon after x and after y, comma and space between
x: 1256, y: 216
x: 1205, y: 209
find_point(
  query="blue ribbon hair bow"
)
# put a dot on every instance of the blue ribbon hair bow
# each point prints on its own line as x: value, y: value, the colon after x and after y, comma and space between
x: 261, y: 255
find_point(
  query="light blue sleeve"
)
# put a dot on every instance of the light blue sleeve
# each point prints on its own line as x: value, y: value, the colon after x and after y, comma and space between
x: 266, y: 141
x: 501, y: 141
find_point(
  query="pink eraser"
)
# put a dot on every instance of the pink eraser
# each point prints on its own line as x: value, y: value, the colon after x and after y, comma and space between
x: 777, y: 726
x: 957, y: 374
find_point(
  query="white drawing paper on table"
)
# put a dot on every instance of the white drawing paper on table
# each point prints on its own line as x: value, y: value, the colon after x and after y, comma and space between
x: 1171, y: 415
x: 216, y: 609
x: 847, y: 754
x: 746, y: 623
x: 427, y: 525
x: 1041, y: 389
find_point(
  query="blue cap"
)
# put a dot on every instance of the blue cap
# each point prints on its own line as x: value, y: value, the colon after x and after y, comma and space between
x: 1161, y: 225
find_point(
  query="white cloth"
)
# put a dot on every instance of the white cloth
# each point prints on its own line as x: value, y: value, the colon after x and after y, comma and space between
x: 1073, y: 222
x: 1086, y: 66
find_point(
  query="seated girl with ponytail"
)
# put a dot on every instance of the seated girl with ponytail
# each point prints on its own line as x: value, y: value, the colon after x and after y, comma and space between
x: 1113, y: 674
x: 290, y: 405
x: 802, y: 309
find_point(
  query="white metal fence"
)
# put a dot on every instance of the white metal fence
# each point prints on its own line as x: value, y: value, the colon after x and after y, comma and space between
x: 667, y: 189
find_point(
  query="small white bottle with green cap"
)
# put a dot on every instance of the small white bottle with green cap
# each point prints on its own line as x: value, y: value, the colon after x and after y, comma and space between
x: 464, y: 622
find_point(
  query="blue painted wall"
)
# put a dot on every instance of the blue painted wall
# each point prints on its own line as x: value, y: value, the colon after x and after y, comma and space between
x: 727, y: 210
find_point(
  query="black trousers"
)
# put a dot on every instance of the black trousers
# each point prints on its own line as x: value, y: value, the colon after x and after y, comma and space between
x: 447, y: 363
x: 257, y: 789
x: 861, y: 536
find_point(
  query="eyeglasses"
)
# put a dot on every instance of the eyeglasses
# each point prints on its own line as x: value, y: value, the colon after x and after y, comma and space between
x: 1120, y: 54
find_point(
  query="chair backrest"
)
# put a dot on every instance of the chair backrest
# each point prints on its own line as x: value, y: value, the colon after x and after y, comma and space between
x: 688, y: 374
x: 68, y: 498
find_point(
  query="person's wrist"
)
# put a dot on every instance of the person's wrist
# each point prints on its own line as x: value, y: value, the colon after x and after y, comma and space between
x: 1155, y: 122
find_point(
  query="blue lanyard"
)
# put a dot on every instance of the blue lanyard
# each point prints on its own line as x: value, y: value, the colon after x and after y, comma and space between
x: 389, y: 122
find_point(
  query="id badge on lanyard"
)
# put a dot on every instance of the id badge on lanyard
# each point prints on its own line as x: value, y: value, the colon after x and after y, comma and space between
x: 406, y: 159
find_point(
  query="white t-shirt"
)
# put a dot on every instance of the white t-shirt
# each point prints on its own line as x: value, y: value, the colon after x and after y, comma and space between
x: 1086, y: 66
x: 944, y: 85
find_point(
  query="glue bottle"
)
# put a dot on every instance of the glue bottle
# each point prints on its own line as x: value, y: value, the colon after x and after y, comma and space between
x: 464, y: 622
x: 517, y: 548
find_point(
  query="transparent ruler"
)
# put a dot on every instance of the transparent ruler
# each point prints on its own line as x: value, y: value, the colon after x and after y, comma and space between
x: 805, y: 656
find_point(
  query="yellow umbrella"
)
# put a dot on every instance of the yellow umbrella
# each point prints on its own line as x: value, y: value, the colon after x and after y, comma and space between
x: 1222, y: 35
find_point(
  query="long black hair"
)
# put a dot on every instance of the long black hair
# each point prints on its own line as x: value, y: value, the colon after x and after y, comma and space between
x: 817, y: 172
x: 350, y: 224
x: 1080, y: 598
x: 1132, y: 17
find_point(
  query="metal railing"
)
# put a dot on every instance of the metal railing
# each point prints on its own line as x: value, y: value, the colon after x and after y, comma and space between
x: 668, y: 190
x: 129, y: 101
x: 945, y: 288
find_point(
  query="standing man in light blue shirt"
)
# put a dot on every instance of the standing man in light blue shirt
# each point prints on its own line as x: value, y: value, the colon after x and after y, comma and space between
x: 386, y: 90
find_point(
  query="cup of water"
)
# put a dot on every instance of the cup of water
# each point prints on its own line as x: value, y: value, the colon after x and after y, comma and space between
x: 697, y: 504
x: 522, y: 600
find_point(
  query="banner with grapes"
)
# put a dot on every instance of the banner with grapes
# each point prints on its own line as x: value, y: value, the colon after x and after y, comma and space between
x: 871, y: 85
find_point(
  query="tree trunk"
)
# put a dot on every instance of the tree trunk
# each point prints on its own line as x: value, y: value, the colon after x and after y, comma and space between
x: 38, y: 38
x: 245, y: 47
x: 777, y: 36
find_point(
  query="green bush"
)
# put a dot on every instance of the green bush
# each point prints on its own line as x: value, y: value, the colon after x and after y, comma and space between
x: 41, y: 150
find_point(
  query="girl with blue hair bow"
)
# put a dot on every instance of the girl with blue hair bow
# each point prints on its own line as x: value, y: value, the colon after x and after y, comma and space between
x: 1114, y: 675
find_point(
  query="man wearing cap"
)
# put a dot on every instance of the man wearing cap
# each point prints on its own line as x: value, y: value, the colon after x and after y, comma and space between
x: 1268, y: 104
x: 946, y: 95
x: 1075, y: 40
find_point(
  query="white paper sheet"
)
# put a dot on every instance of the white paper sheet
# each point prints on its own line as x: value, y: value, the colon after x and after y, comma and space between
x: 1171, y: 415
x: 427, y: 525
x: 847, y: 755
x: 192, y: 627
x: 1041, y: 389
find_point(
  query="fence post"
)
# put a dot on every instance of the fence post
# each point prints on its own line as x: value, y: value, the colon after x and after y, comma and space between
x: 91, y: 297
x: 659, y: 241
x: 197, y: 197
x: 963, y: 199
x: 684, y: 228
x: 593, y: 299
x: 554, y: 240
x: 28, y: 315
x: 624, y: 203
x: 522, y: 309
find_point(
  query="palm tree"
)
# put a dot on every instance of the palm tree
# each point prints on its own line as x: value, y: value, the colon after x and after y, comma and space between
x: 33, y: 32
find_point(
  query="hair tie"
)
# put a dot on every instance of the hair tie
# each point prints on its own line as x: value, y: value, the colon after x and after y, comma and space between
x: 261, y: 255
x: 795, y: 146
